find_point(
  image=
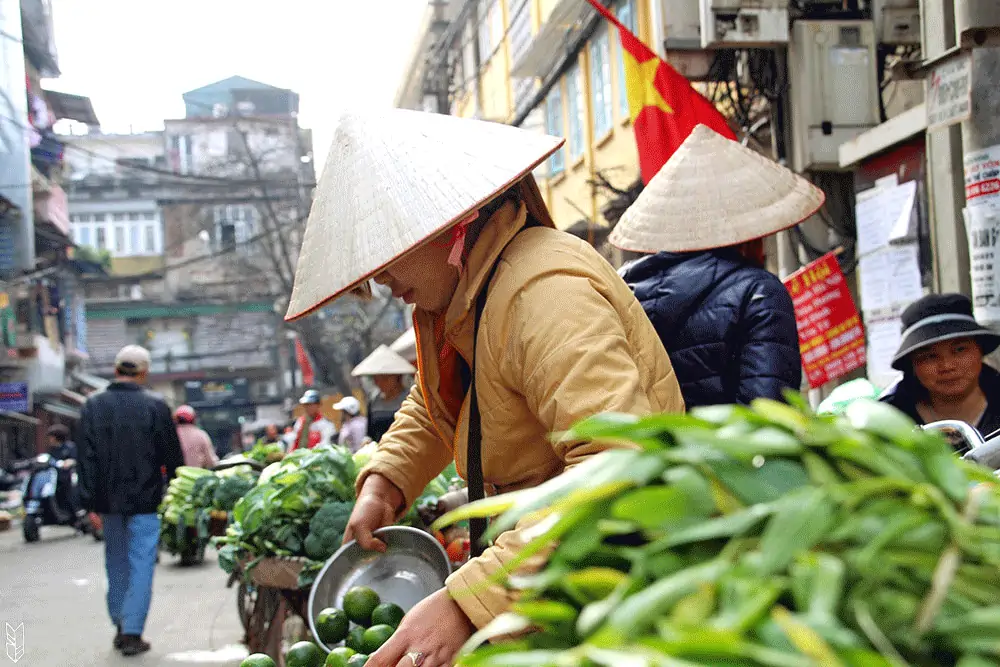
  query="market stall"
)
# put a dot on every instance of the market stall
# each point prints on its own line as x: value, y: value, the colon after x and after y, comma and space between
x: 288, y: 525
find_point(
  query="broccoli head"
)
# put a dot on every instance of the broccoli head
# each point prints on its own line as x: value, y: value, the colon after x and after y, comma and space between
x: 229, y: 491
x: 326, y: 530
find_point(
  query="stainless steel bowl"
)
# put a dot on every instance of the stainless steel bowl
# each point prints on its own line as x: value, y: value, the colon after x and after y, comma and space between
x: 413, y: 566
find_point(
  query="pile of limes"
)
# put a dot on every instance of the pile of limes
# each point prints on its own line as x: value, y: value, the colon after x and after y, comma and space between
x: 373, y: 622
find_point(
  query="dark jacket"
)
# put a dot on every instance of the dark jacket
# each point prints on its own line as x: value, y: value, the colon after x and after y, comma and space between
x: 908, y: 392
x: 728, y: 327
x: 127, y: 437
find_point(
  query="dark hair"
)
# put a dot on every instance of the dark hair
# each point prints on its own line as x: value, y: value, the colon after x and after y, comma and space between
x: 59, y: 432
x: 128, y: 369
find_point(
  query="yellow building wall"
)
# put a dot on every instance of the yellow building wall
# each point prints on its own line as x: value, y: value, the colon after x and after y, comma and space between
x: 569, y: 195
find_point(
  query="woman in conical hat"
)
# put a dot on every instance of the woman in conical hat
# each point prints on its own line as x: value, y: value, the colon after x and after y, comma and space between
x: 727, y: 323
x: 388, y: 372
x: 444, y: 212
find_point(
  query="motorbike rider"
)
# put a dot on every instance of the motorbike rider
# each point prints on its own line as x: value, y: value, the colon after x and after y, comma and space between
x: 312, y: 428
x: 63, y: 451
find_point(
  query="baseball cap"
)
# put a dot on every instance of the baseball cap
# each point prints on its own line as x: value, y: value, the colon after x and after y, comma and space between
x: 349, y: 404
x: 133, y: 359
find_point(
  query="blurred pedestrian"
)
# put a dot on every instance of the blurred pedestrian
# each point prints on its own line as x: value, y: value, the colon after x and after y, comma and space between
x: 312, y: 428
x: 390, y: 372
x: 353, y: 425
x: 127, y: 437
x: 195, y: 443
x: 727, y: 323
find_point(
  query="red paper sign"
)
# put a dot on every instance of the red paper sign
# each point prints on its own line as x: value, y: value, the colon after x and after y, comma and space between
x: 831, y: 338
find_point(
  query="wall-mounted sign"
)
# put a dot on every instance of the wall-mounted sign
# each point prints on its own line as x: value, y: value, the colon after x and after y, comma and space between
x: 217, y: 393
x: 14, y: 396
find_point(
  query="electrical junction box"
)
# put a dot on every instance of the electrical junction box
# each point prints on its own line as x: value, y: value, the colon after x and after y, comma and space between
x: 743, y: 23
x: 901, y: 26
x: 834, y: 89
x: 977, y: 22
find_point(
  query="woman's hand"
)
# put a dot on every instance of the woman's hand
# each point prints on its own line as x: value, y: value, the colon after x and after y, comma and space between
x: 376, y: 508
x: 435, y: 629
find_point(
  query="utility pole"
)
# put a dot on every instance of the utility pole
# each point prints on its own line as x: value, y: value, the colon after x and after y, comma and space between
x: 981, y: 147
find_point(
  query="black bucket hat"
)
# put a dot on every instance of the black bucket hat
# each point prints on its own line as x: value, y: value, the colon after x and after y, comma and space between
x: 939, y: 317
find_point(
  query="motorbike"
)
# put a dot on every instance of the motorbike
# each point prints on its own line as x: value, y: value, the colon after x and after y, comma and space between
x: 969, y: 443
x: 43, y: 505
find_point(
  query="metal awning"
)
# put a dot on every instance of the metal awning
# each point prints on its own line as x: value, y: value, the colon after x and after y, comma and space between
x: 74, y: 107
x: 62, y: 410
x: 72, y: 397
x: 881, y: 137
x: 550, y: 42
x: 91, y: 381
x: 18, y: 417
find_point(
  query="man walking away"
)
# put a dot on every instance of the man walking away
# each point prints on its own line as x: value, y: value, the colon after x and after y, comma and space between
x: 127, y: 436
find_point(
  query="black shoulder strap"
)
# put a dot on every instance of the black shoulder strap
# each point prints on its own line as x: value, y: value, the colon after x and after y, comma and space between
x: 474, y: 446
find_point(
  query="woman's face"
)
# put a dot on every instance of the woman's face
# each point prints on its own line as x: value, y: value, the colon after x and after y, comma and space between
x: 949, y: 369
x: 422, y: 278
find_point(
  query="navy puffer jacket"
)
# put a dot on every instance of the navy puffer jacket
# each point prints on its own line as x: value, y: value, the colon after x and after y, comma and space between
x: 728, y: 327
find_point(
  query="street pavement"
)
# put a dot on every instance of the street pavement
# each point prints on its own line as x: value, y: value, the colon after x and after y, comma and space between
x: 56, y: 588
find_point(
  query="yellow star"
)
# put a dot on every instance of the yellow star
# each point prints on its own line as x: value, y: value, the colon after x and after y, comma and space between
x: 640, y: 84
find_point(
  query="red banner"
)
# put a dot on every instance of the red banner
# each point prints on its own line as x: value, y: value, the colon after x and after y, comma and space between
x: 308, y: 377
x: 831, y: 338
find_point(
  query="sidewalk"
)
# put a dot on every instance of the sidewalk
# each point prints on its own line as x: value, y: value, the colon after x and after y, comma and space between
x: 56, y: 588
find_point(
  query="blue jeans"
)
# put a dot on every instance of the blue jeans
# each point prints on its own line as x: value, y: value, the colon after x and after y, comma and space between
x: 130, y: 547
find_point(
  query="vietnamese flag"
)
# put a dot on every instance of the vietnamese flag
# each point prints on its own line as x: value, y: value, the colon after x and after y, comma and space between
x: 663, y: 105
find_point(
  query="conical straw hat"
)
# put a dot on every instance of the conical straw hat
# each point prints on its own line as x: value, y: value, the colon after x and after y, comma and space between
x: 406, y: 345
x: 395, y: 179
x: 383, y: 361
x: 711, y: 193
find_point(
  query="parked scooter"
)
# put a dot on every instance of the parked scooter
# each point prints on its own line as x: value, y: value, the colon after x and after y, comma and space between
x: 41, y: 499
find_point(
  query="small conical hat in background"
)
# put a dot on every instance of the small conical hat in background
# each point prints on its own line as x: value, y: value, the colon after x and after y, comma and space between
x: 394, y: 179
x: 383, y: 361
x: 713, y: 192
x: 406, y: 345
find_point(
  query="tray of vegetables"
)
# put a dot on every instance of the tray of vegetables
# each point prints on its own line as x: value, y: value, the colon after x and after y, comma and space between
x: 761, y: 536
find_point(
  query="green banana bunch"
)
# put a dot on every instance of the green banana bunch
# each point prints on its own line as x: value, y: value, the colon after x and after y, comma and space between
x: 761, y: 536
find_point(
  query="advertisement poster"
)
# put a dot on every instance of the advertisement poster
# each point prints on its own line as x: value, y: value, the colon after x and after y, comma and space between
x: 831, y: 336
x: 14, y: 396
x: 982, y: 221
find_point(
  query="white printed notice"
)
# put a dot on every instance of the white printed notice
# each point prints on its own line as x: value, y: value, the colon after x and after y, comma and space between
x: 884, y: 337
x: 890, y: 278
x: 984, y: 258
x: 982, y: 177
x: 884, y: 216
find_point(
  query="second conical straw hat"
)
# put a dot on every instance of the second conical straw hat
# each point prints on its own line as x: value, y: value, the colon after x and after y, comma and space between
x: 713, y: 192
x: 383, y: 361
x: 395, y: 179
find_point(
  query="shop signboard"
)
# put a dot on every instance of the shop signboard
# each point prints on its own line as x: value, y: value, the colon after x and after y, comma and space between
x: 217, y: 393
x: 14, y: 396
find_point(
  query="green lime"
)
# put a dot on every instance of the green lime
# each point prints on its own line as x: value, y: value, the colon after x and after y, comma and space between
x: 357, y: 660
x: 304, y: 654
x: 339, y: 656
x: 359, y: 603
x: 356, y: 639
x: 258, y: 660
x: 332, y: 626
x: 388, y: 613
x: 375, y: 636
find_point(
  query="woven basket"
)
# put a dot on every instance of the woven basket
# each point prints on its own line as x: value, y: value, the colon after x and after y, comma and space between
x: 280, y: 573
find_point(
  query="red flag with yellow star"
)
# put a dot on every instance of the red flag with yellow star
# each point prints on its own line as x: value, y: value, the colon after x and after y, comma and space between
x: 663, y: 105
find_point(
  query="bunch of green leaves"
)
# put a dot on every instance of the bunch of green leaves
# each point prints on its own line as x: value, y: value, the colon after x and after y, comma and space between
x: 266, y: 453
x: 761, y: 537
x: 272, y: 519
x: 439, y: 486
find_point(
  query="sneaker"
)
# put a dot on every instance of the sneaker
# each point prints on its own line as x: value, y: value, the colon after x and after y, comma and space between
x: 118, y: 638
x: 134, y: 645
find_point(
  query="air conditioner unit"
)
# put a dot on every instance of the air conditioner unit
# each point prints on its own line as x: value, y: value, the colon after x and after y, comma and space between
x: 742, y: 23
x: 834, y: 89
